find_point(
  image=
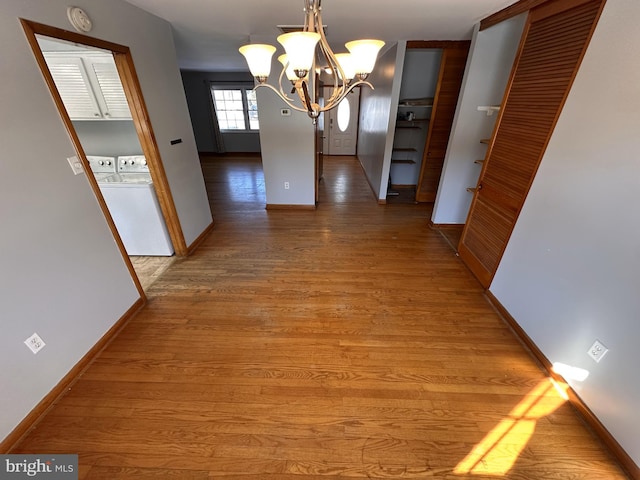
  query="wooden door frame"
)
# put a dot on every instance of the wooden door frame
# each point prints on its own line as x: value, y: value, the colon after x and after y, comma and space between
x: 444, y: 45
x: 539, y: 9
x: 133, y: 91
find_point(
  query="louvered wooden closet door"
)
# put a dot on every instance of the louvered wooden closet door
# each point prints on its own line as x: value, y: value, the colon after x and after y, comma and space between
x: 554, y: 41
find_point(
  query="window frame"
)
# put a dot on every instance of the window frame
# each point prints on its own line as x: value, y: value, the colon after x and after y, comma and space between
x: 245, y: 88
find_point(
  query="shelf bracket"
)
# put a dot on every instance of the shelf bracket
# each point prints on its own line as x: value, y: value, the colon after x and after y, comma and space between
x: 490, y: 109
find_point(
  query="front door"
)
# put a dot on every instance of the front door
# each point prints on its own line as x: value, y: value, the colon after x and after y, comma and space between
x: 341, y: 132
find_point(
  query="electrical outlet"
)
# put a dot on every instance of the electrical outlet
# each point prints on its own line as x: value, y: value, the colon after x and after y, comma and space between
x: 597, y: 351
x: 286, y: 185
x: 35, y: 343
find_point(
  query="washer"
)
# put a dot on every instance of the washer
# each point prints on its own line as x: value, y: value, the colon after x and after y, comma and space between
x: 102, y: 166
x: 133, y: 204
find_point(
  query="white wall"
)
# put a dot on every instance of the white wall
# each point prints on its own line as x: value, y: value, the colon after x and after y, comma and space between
x: 378, y: 118
x: 197, y: 86
x: 110, y: 138
x: 487, y: 72
x: 571, y: 271
x: 61, y: 273
x: 287, y: 144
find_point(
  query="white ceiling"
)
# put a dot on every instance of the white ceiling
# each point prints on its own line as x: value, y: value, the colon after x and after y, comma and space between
x: 208, y: 33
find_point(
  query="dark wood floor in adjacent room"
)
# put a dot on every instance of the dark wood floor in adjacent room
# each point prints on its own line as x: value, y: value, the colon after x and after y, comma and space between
x: 347, y: 342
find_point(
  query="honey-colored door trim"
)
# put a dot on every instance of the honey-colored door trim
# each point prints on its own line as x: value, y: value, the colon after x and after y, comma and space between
x: 140, y: 116
x: 552, y: 46
x: 445, y: 100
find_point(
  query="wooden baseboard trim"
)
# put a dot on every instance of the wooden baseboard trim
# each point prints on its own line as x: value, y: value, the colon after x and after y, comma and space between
x: 616, y: 450
x: 196, y: 243
x: 444, y: 225
x: 229, y: 154
x: 31, y: 420
x: 282, y: 206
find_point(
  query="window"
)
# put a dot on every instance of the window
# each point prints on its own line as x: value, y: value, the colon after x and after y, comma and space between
x: 236, y: 108
x: 344, y: 114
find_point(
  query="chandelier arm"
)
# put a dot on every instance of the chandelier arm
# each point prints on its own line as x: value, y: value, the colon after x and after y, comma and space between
x: 282, y: 91
x: 284, y: 98
x: 338, y: 72
x: 310, y: 10
x: 338, y: 89
x: 329, y: 106
x: 312, y: 107
x: 296, y: 88
x: 303, y: 93
x: 300, y: 87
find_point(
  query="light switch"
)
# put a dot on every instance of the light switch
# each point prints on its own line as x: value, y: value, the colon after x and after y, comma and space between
x: 76, y: 165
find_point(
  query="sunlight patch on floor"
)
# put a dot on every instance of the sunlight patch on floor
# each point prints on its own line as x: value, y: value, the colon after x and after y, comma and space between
x: 149, y: 269
x: 499, y: 450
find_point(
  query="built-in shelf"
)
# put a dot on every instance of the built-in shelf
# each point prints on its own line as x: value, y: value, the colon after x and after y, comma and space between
x: 419, y: 123
x: 411, y: 128
x: 416, y: 102
x: 409, y: 105
x: 489, y: 109
x: 484, y: 141
x: 408, y: 162
x: 398, y: 149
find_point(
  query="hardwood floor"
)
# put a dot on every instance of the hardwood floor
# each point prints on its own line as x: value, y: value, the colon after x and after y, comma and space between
x: 347, y: 342
x: 149, y: 269
x: 451, y: 233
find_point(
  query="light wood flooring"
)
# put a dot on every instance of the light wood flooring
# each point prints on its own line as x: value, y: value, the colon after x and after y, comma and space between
x: 149, y: 269
x: 347, y: 342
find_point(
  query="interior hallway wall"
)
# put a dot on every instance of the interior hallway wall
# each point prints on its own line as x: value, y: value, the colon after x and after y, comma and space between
x: 486, y: 75
x: 62, y: 274
x: 378, y: 118
x: 571, y: 270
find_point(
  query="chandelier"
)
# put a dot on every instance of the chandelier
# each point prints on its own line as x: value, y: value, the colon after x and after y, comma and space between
x: 348, y: 70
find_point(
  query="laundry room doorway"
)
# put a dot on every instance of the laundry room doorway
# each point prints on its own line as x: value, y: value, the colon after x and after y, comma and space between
x: 96, y: 90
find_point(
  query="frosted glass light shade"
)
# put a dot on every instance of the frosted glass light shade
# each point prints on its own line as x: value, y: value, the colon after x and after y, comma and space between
x: 364, y: 54
x: 291, y: 75
x: 258, y: 57
x: 300, y: 48
x: 346, y: 63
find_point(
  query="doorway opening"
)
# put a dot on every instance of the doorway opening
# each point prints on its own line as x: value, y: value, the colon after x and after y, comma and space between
x: 430, y: 86
x: 96, y: 90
